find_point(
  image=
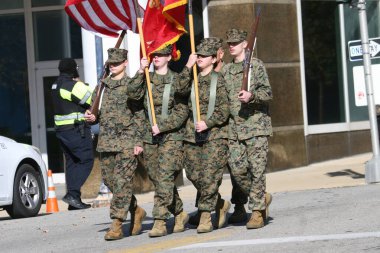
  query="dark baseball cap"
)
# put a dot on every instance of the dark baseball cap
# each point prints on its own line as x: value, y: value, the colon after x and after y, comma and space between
x: 68, y: 66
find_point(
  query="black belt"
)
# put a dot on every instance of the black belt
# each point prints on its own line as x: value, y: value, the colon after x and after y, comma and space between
x: 71, y: 126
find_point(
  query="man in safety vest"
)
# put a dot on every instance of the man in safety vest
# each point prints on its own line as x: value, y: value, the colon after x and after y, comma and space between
x: 71, y: 98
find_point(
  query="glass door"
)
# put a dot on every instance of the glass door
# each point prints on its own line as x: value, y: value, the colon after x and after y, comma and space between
x: 49, y: 144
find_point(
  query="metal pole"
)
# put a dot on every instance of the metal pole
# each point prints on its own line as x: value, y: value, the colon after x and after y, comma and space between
x: 99, y: 55
x: 372, y: 168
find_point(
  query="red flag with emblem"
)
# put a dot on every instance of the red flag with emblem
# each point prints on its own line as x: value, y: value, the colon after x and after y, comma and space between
x: 164, y: 23
x: 103, y: 16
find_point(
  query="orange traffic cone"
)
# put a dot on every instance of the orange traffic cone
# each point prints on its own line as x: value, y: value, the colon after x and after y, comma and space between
x: 51, y: 203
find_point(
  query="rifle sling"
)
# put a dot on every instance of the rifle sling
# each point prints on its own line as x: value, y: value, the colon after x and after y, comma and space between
x: 165, y: 100
x: 249, y: 77
x: 101, y: 88
x: 212, y: 97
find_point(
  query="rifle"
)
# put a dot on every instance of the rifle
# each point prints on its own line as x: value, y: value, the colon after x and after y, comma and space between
x: 249, y: 51
x: 100, y: 87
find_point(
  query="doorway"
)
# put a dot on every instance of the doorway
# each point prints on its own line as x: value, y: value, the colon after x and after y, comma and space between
x: 49, y: 145
x: 46, y: 73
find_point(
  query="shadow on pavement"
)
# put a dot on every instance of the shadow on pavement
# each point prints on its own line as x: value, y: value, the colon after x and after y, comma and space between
x: 346, y: 172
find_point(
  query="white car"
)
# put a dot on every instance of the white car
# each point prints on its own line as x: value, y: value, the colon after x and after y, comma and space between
x: 23, y: 179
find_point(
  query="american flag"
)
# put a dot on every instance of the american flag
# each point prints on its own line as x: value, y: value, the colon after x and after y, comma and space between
x: 103, y: 16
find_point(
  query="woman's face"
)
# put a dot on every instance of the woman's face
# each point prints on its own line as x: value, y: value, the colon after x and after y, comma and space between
x: 205, y: 61
x: 117, y: 67
x: 160, y: 60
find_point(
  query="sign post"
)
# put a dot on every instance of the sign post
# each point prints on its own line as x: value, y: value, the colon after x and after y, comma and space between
x: 372, y: 168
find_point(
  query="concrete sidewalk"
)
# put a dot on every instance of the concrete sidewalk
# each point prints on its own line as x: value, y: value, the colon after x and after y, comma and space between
x: 348, y: 171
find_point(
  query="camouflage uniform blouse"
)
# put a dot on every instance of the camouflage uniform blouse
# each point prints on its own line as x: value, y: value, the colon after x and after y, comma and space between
x: 248, y: 119
x: 173, y: 124
x: 218, y: 121
x: 118, y: 116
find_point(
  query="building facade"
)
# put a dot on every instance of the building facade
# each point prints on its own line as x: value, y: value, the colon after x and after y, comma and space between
x: 309, y: 48
x: 319, y: 111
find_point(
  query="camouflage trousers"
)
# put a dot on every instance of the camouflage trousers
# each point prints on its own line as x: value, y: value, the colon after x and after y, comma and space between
x: 204, y: 165
x: 248, y: 161
x: 163, y: 163
x: 238, y: 196
x: 118, y: 169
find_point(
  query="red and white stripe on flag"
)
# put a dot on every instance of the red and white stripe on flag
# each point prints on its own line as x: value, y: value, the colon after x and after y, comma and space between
x: 103, y: 16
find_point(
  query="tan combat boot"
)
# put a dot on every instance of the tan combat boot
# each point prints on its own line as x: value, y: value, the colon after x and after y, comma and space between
x: 222, y: 208
x: 115, y: 232
x: 268, y: 200
x: 205, y: 224
x: 256, y: 220
x: 180, y: 221
x: 159, y: 229
x: 259, y: 217
x: 137, y: 217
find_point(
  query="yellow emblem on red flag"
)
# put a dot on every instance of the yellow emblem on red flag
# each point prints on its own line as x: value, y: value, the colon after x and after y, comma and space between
x: 164, y: 23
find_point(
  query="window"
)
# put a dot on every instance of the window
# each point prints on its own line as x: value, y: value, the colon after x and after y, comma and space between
x: 14, y: 93
x: 40, y: 3
x: 11, y: 4
x: 324, y: 85
x: 56, y: 36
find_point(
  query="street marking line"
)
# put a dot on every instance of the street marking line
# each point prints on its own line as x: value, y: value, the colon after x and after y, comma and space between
x: 169, y: 244
x: 280, y: 240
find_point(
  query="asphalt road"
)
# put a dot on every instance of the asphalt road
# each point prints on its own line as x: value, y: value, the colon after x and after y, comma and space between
x: 325, y: 220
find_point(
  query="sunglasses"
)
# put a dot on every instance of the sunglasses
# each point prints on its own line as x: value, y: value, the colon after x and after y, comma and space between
x: 160, y: 55
x: 233, y: 44
x: 204, y: 56
x: 115, y: 64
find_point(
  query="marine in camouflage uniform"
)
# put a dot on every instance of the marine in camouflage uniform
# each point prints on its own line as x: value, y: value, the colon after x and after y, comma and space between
x: 239, y: 198
x: 205, y: 159
x: 250, y: 126
x: 119, y: 135
x: 163, y: 154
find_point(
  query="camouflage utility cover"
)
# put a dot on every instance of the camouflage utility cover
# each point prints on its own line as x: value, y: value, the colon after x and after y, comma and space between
x: 166, y: 50
x: 218, y: 41
x: 209, y: 46
x: 236, y: 35
x: 117, y: 55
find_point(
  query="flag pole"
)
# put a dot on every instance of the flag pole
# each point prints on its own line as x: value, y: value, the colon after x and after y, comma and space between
x: 142, y: 42
x: 195, y: 74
